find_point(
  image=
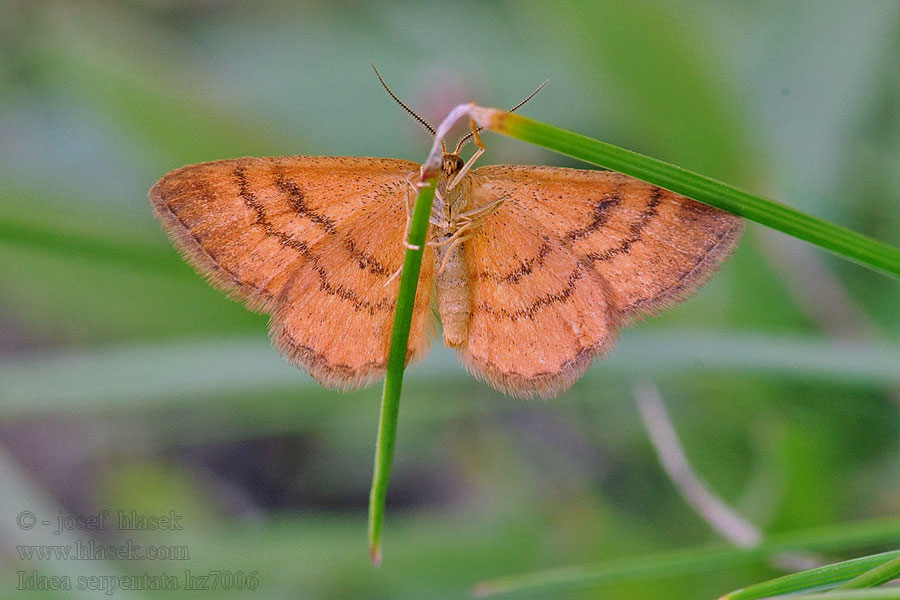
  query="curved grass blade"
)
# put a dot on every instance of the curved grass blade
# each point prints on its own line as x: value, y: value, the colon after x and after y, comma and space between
x: 691, y: 561
x: 393, y: 381
x: 872, y: 594
x: 876, y: 576
x: 815, y: 579
x: 839, y: 240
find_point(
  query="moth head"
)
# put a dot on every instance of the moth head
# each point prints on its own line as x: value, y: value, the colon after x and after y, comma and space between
x: 451, y: 163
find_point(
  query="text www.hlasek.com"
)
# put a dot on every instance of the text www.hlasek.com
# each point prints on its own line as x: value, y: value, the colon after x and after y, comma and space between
x: 94, y: 551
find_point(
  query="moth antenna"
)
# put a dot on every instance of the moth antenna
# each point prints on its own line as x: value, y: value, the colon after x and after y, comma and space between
x: 421, y: 121
x: 465, y: 139
x: 529, y: 97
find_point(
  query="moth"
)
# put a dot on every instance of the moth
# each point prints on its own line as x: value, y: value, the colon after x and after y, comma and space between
x: 533, y: 270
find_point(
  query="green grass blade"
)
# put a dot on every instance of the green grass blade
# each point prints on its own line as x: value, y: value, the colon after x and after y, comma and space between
x: 695, y: 560
x: 843, y: 242
x: 876, y: 594
x: 876, y: 576
x: 819, y: 578
x: 397, y: 355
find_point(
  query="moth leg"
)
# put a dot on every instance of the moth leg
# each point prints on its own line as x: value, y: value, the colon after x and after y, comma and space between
x: 438, y: 220
x: 393, y: 277
x: 408, y: 221
x: 468, y: 165
x: 479, y: 214
x: 406, y: 207
x: 448, y: 240
x: 468, y: 222
x: 410, y: 186
x: 455, y: 242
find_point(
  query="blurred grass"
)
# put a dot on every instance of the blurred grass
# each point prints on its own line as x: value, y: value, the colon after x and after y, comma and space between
x: 692, y: 560
x: 131, y: 375
x: 118, y: 379
x: 818, y: 579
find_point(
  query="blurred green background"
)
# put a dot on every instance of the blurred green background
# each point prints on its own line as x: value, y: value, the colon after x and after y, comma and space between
x: 126, y: 382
